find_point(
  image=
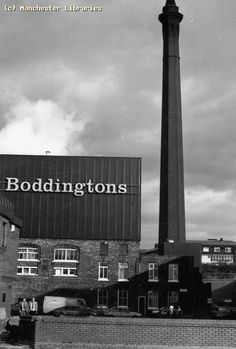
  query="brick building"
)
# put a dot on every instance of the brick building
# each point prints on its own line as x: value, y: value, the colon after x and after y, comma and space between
x: 9, y: 236
x: 81, y: 224
x: 216, y: 260
x: 170, y: 279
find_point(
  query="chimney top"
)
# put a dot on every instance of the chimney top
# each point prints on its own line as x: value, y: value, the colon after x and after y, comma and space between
x: 170, y: 2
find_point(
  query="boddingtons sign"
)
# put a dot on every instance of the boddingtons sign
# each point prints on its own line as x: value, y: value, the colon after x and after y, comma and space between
x: 74, y: 197
x: 56, y: 186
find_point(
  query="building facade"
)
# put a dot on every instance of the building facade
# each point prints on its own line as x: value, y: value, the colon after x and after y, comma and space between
x: 9, y: 236
x: 81, y: 224
x: 166, y: 280
x: 216, y: 259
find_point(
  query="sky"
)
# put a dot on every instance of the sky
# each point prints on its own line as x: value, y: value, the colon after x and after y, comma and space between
x: 89, y: 83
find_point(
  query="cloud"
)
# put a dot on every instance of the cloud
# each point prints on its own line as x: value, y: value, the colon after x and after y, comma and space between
x: 90, y: 84
x: 37, y: 127
x: 210, y: 213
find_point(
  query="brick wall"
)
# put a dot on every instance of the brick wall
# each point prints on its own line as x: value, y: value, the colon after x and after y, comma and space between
x: 76, y: 333
x: 8, y: 255
x: 88, y: 262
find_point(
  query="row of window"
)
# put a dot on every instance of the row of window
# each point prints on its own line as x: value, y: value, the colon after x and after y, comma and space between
x: 221, y: 258
x: 65, y: 254
x: 103, y: 275
x: 218, y: 249
x: 66, y: 271
x: 122, y: 298
x: 153, y: 272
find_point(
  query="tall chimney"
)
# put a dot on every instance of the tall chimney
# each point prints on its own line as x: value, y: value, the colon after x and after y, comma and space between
x: 172, y: 210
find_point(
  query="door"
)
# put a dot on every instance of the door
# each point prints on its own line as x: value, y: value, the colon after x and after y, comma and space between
x: 142, y: 305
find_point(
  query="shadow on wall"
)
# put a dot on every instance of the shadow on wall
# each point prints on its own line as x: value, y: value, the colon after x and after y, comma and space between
x: 192, y: 292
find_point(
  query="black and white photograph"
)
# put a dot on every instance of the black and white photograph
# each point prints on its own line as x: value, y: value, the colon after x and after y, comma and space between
x: 117, y: 174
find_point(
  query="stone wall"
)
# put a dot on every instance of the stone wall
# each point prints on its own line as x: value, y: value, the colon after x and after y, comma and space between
x: 131, y: 333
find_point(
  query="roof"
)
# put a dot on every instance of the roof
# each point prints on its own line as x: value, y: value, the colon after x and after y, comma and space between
x: 212, y: 242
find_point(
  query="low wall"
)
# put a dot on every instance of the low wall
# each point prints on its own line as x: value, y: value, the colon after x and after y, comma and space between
x: 72, y: 333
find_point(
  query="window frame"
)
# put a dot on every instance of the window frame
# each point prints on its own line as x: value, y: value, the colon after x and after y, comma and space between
x: 152, y: 269
x: 27, y: 252
x: 102, y: 294
x: 123, y: 249
x: 222, y: 258
x: 171, y: 297
x: 228, y: 249
x: 123, y: 270
x: 103, y: 270
x: 121, y: 297
x: 217, y: 249
x: 25, y: 267
x: 206, y: 249
x: 173, y: 269
x: 103, y: 249
x: 66, y: 251
x: 154, y: 296
x: 62, y: 272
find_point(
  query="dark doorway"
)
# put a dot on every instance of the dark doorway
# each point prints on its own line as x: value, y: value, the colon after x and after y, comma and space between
x: 142, y: 305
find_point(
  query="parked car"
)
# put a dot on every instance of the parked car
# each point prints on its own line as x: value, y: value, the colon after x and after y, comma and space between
x: 223, y: 311
x: 158, y: 313
x: 122, y: 311
x: 71, y: 311
x: 99, y: 310
x: 164, y: 312
x: 51, y: 303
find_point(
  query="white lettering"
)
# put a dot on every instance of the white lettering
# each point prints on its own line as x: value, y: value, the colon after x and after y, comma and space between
x: 90, y: 184
x: 11, y: 181
x: 25, y: 186
x: 78, y: 189
x: 54, y: 186
x: 122, y: 188
x: 37, y: 186
x: 47, y: 187
x: 102, y: 188
x: 67, y: 188
x: 57, y: 185
x: 111, y: 188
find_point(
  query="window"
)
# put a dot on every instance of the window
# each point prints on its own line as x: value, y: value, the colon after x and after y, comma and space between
x: 4, y: 233
x: 123, y: 249
x: 216, y: 249
x: 137, y: 268
x: 152, y: 299
x: 123, y: 272
x: 4, y: 297
x: 102, y: 296
x: 58, y: 271
x: 28, y: 253
x: 153, y: 272
x: 123, y: 298
x: 65, y: 255
x: 173, y: 297
x: 24, y: 270
x: 173, y: 272
x: 222, y: 258
x: 103, y: 271
x: 103, y: 249
x: 205, y: 249
x: 228, y: 249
